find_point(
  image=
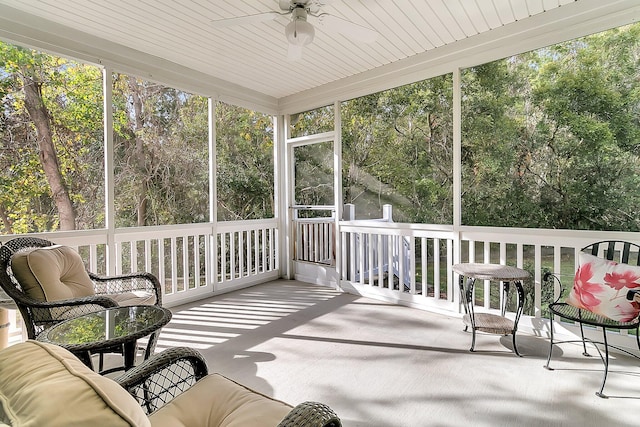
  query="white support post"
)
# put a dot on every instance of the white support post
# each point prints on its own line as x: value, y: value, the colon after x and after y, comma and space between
x: 212, y: 262
x: 387, y: 213
x: 337, y: 187
x: 282, y: 177
x: 109, y: 174
x: 457, y: 176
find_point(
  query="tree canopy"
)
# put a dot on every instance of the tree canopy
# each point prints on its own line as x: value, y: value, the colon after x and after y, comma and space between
x: 550, y: 139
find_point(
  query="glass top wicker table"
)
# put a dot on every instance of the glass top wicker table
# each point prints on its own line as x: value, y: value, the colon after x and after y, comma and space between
x: 107, y: 330
x: 489, y: 322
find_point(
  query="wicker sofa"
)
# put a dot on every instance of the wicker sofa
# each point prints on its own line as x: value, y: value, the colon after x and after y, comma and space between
x: 43, y: 384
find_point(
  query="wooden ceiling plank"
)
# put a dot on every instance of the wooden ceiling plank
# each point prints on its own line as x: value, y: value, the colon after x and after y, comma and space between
x: 441, y: 10
x: 474, y: 12
x: 464, y: 21
x: 519, y: 9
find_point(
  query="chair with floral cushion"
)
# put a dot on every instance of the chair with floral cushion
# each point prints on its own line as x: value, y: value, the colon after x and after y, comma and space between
x: 605, y: 294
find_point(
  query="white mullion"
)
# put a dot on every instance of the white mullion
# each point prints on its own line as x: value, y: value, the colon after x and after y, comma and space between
x: 249, y: 251
x: 436, y: 269
x: 390, y: 261
x: 93, y: 258
x: 223, y: 257
x: 557, y: 266
x: 361, y: 257
x: 400, y: 253
x: 370, y: 257
x: 537, y: 282
x: 412, y: 264
x: 256, y: 251
x: 185, y: 262
x: 452, y: 295
x: 424, y: 265
x: 196, y: 261
x: 119, y: 258
x: 232, y: 255
x: 161, y: 260
x: 133, y: 256
x: 147, y: 255
x: 316, y: 242
x: 343, y: 241
x: 353, y: 250
x: 380, y: 261
x: 241, y: 253
x: 272, y: 249
x: 264, y: 250
x: 487, y: 283
x: 208, y: 270
x: 174, y: 266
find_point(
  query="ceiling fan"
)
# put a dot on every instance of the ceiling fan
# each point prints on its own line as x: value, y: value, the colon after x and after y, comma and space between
x: 300, y: 30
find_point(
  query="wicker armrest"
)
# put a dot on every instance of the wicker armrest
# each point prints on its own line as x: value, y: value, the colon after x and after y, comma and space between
x: 99, y: 300
x: 162, y: 377
x: 311, y: 414
x: 126, y: 283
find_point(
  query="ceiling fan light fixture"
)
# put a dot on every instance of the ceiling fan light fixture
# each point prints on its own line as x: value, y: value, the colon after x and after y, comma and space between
x: 299, y: 32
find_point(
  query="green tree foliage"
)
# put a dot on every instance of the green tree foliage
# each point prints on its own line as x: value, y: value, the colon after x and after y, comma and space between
x: 244, y: 158
x: 398, y: 150
x: 161, y: 160
x: 69, y: 96
x: 551, y: 137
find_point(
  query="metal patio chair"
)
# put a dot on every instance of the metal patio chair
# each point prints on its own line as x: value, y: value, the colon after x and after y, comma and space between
x: 584, y: 306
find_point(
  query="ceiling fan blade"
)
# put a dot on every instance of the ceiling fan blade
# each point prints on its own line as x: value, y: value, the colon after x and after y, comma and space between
x: 294, y: 53
x: 348, y: 28
x: 243, y: 20
x: 315, y: 5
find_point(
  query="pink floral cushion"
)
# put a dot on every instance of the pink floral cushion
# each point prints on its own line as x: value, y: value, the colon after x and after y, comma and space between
x: 601, y: 286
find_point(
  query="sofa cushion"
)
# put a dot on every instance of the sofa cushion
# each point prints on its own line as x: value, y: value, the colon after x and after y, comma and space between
x: 138, y: 297
x: 52, y: 273
x: 218, y: 401
x: 45, y: 385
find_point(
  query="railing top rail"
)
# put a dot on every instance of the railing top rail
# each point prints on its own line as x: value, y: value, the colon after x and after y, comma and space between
x: 313, y: 207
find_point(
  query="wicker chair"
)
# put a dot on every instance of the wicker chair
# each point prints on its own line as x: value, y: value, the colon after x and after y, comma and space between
x: 39, y: 315
x: 627, y: 254
x: 159, y: 380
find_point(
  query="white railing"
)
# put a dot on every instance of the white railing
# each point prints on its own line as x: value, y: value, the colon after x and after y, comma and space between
x: 198, y: 260
x: 433, y: 249
x: 191, y: 261
x: 314, y: 238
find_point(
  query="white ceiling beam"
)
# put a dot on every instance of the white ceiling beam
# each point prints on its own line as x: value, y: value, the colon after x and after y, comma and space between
x: 38, y: 33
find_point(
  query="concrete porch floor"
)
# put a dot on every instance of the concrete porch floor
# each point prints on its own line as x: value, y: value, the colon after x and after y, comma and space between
x: 378, y: 364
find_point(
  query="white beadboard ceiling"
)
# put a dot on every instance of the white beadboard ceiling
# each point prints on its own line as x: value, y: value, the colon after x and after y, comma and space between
x: 251, y: 60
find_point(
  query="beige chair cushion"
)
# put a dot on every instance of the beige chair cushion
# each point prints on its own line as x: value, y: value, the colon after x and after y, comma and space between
x: 133, y: 298
x: 218, y: 401
x: 52, y: 273
x: 45, y: 385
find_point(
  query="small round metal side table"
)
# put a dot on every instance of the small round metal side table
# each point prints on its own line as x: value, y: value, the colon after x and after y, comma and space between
x: 488, y: 322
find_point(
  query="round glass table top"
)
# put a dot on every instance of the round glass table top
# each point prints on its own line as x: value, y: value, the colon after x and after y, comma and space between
x: 113, y: 324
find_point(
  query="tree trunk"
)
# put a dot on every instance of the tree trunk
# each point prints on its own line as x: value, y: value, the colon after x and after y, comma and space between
x: 138, y: 127
x: 8, y: 228
x: 48, y: 157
